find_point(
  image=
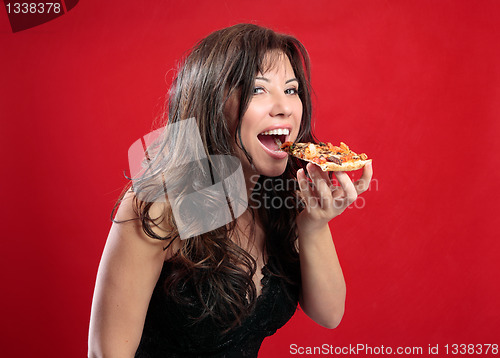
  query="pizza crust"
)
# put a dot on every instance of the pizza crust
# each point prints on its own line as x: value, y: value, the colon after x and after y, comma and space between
x: 345, y: 167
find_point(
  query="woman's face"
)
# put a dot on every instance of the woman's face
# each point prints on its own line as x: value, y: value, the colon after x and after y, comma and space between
x: 273, y: 115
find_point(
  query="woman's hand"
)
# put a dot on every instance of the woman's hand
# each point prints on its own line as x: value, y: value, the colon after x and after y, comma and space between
x: 323, y: 200
x: 323, y: 289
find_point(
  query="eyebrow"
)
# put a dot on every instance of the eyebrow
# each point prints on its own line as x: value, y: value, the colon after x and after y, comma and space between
x: 267, y: 80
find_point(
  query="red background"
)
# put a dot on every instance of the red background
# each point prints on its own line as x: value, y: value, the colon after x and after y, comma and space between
x: 415, y: 84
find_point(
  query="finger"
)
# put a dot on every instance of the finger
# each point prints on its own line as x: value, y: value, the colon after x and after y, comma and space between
x: 363, y: 183
x: 350, y: 193
x: 338, y: 193
x: 318, y: 176
x: 305, y: 189
x: 321, y: 184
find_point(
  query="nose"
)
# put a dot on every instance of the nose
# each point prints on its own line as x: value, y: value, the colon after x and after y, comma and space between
x: 281, y: 106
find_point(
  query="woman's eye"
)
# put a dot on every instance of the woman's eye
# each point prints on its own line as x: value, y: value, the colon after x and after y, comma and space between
x: 258, y: 90
x: 292, y: 91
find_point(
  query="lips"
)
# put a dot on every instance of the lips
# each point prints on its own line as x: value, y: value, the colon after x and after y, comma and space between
x: 271, y: 140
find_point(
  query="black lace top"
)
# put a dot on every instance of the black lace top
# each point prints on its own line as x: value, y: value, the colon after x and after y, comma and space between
x: 169, y: 333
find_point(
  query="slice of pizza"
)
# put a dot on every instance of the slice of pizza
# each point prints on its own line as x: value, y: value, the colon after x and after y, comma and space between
x: 327, y: 156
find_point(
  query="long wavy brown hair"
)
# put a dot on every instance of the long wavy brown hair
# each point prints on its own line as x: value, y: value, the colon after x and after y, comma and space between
x: 221, y: 65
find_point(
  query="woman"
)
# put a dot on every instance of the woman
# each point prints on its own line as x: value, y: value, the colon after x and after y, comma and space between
x: 220, y: 293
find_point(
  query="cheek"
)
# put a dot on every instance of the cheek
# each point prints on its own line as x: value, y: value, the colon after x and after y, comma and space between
x: 250, y: 120
x: 298, y: 117
x: 299, y: 114
x: 299, y: 107
x: 231, y: 112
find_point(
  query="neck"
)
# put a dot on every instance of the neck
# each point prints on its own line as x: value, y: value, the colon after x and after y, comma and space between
x: 250, y: 182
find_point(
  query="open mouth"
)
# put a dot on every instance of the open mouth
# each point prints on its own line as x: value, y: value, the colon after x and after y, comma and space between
x: 273, y: 139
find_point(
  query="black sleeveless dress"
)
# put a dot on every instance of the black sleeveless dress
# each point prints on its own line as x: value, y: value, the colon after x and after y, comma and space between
x: 168, y: 333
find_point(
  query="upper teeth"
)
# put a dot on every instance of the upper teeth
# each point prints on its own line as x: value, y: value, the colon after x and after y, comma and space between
x: 277, y: 131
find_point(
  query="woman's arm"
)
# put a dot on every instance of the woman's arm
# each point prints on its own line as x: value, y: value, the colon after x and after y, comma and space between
x: 130, y: 266
x: 323, y: 287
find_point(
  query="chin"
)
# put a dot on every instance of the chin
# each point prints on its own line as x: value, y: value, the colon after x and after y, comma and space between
x: 272, y: 171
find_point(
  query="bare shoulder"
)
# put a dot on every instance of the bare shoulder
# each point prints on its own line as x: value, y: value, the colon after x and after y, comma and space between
x: 130, y: 266
x: 128, y: 213
x: 129, y: 251
x: 129, y: 225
